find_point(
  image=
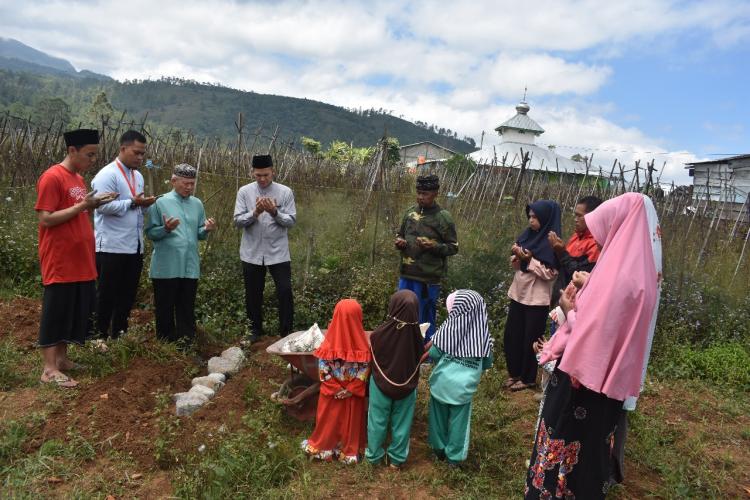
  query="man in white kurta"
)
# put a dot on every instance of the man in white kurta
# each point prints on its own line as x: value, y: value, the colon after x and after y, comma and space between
x: 265, y: 211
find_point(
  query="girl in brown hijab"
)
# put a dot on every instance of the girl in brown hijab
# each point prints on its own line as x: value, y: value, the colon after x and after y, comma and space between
x: 397, y: 351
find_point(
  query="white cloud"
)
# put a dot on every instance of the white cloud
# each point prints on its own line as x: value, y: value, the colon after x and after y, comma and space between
x: 481, y: 53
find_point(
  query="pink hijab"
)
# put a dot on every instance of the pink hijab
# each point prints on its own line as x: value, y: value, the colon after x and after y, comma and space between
x: 606, y: 339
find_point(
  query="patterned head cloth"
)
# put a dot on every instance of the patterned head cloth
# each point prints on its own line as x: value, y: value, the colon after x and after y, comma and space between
x: 465, y: 333
x: 428, y: 183
x: 185, y: 170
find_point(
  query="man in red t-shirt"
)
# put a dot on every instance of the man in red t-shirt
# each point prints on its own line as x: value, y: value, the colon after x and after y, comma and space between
x: 66, y: 254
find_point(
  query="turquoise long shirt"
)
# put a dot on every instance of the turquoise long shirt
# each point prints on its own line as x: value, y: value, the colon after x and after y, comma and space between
x: 176, y: 253
x: 454, y: 380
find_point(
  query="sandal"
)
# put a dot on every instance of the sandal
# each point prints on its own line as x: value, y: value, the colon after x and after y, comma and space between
x: 510, y: 381
x: 519, y: 386
x: 60, y: 379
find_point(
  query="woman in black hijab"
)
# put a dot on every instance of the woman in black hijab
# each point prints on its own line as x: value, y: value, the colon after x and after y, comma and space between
x: 397, y: 350
x: 535, y: 265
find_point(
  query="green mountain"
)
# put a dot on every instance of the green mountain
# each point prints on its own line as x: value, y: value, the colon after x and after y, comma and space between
x: 34, y: 84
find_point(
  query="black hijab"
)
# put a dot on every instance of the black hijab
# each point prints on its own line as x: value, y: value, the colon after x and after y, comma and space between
x: 548, y: 213
x: 397, y: 346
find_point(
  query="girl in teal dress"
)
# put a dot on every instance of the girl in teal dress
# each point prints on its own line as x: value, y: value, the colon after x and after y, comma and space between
x: 461, y: 350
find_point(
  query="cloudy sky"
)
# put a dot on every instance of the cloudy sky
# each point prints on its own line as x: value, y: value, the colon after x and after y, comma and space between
x: 629, y: 79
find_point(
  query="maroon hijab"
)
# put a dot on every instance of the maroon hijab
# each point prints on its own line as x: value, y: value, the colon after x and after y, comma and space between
x: 397, y: 346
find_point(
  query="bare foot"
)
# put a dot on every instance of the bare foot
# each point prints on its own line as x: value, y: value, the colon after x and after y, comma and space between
x: 57, y: 377
x: 67, y: 364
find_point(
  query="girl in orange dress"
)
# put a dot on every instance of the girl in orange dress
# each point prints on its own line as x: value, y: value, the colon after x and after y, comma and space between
x: 344, y: 367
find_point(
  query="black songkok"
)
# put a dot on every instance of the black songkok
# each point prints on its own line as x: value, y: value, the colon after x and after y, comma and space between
x: 81, y: 137
x: 428, y: 183
x: 262, y: 161
x: 185, y: 170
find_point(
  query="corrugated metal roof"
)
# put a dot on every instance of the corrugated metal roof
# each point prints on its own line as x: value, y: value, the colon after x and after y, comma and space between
x: 540, y: 158
x: 722, y: 160
x: 429, y: 142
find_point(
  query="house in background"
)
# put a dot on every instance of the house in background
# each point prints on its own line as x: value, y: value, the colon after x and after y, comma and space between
x: 725, y: 182
x: 424, y: 154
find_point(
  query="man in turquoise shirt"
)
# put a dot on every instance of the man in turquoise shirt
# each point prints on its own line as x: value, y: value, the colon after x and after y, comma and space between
x: 175, y: 224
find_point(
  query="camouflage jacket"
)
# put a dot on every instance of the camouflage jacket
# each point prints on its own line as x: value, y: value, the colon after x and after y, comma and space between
x: 434, y: 223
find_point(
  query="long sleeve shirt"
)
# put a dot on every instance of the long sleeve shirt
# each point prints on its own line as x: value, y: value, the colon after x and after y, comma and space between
x: 533, y: 287
x: 453, y: 380
x: 265, y: 240
x: 336, y: 375
x: 176, y: 252
x: 118, y: 228
x: 434, y: 223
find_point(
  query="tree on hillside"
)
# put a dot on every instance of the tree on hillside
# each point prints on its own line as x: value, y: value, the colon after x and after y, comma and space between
x: 100, y: 110
x: 50, y: 110
x: 311, y: 145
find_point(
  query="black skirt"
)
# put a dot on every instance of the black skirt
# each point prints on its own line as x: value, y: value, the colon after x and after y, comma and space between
x: 573, y: 448
x: 67, y: 313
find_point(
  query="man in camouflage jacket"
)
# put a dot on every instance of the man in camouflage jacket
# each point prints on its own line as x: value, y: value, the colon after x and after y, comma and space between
x: 426, y: 238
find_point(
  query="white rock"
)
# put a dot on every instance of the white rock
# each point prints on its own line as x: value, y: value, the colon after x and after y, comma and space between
x: 212, y: 383
x: 234, y: 354
x: 202, y: 390
x: 223, y: 365
x: 178, y: 396
x: 187, y: 404
x: 218, y: 376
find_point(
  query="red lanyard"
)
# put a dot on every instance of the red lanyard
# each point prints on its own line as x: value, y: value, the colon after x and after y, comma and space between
x: 131, y: 181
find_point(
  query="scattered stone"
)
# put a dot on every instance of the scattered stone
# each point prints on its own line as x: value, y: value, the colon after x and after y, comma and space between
x: 234, y: 354
x: 222, y: 365
x: 187, y: 404
x: 137, y: 475
x: 202, y: 448
x: 209, y: 382
x: 218, y: 376
x: 202, y: 390
x: 104, y: 396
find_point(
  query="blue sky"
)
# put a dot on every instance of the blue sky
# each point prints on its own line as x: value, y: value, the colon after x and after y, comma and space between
x: 648, y: 79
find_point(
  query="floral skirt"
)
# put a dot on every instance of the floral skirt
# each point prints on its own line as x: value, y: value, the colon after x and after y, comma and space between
x: 573, y: 448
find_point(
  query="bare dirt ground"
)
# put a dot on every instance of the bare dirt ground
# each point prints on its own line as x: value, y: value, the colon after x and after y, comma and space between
x: 118, y: 415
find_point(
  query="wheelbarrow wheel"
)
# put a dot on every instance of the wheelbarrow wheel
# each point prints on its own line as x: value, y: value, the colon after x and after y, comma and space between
x: 306, y: 408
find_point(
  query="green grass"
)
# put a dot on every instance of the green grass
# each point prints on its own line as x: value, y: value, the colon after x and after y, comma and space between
x: 11, y: 356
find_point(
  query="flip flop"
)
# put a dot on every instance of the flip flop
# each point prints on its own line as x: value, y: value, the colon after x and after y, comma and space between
x: 510, y: 381
x: 60, y: 379
x: 520, y: 386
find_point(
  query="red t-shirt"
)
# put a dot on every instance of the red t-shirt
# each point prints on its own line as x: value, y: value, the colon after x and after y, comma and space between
x: 66, y: 251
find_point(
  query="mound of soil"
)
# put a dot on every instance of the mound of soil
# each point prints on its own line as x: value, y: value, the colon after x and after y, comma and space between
x: 118, y: 411
x: 19, y: 319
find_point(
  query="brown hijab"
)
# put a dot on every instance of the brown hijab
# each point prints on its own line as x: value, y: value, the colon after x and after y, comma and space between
x: 397, y: 346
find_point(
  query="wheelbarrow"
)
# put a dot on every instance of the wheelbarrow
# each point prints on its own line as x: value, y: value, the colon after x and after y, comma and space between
x: 298, y: 393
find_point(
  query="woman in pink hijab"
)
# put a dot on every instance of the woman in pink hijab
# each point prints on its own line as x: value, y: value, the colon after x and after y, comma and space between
x: 601, y: 351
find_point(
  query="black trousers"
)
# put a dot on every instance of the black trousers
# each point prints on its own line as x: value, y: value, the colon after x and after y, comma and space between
x: 174, y: 301
x: 524, y: 326
x: 119, y: 274
x: 255, y: 283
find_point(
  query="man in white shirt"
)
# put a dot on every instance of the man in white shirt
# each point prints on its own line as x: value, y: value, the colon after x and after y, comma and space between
x: 118, y: 231
x: 265, y: 211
